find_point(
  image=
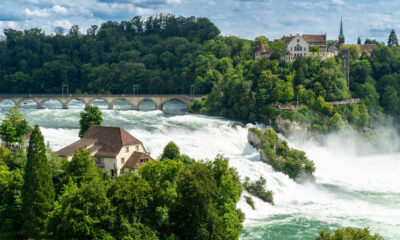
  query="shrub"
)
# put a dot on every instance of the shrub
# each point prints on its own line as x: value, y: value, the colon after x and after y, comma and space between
x: 250, y: 201
x: 257, y: 188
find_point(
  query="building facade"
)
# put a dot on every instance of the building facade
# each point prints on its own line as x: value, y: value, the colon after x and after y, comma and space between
x: 318, y: 40
x: 114, y: 149
x: 296, y: 47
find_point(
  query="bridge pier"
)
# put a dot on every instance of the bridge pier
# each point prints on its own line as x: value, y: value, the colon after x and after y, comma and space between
x: 64, y: 106
x: 110, y: 107
x: 159, y: 106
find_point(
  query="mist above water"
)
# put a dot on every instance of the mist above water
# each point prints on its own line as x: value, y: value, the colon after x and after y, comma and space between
x: 351, y: 189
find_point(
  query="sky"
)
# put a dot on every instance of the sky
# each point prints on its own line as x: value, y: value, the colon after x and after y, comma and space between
x: 243, y: 18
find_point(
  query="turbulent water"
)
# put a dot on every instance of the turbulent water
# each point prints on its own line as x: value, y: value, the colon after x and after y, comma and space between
x: 349, y: 191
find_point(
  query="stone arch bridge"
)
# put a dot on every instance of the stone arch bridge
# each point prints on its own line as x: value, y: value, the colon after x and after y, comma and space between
x: 88, y: 99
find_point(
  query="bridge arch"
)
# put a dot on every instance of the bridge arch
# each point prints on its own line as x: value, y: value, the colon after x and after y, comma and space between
x: 175, y: 105
x: 2, y: 100
x: 147, y: 104
x: 97, y: 100
x: 74, y: 103
x: 123, y: 101
x: 27, y: 101
x: 43, y: 103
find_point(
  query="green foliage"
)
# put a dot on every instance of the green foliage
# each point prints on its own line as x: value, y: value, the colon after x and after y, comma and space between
x: 155, y: 53
x: 171, y: 151
x: 354, y: 51
x: 257, y: 188
x: 291, y: 162
x: 315, y: 49
x: 250, y: 201
x: 207, y: 207
x: 38, y: 191
x: 80, y: 213
x: 82, y: 167
x: 392, y: 41
x: 348, y: 233
x: 14, y: 127
x: 11, y: 207
x: 89, y: 117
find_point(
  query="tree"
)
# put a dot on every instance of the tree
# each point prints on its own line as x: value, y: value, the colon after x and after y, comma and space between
x: 358, y: 40
x: 336, y: 122
x: 392, y: 41
x: 171, y: 151
x: 89, y: 117
x: 348, y: 233
x: 38, y: 191
x: 82, y: 167
x: 200, y: 208
x: 14, y: 127
x: 11, y: 208
x: 80, y: 213
x: 315, y: 49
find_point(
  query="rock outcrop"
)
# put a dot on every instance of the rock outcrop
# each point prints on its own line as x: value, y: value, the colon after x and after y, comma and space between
x: 287, y: 127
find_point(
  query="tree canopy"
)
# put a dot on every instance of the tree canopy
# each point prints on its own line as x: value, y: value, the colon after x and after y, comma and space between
x: 91, y: 116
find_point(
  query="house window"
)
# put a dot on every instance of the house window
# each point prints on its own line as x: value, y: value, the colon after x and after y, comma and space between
x: 142, y: 160
x: 121, y: 171
x: 126, y: 149
x: 122, y: 160
x: 137, y: 147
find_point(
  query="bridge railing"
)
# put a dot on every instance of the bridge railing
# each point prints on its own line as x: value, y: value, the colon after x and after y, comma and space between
x: 12, y: 95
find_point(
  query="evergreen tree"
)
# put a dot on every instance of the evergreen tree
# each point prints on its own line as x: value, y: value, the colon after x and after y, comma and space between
x: 89, y: 117
x: 392, y: 41
x: 359, y: 40
x: 38, y: 191
x: 10, y: 209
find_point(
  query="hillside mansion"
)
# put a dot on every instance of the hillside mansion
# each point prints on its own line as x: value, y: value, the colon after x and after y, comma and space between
x: 299, y: 45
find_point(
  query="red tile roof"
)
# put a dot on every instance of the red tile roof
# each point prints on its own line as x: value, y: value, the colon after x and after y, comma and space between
x: 287, y: 39
x: 134, y: 161
x: 369, y: 48
x: 108, y: 141
x: 261, y: 47
x: 28, y: 134
x: 314, y: 38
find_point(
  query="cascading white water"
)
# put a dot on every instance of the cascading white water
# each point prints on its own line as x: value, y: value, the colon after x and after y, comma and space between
x: 349, y: 190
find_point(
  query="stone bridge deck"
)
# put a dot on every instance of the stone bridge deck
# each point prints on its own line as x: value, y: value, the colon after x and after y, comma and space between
x: 88, y: 99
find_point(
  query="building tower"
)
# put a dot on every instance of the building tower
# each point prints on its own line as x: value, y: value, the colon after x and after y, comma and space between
x: 260, y: 50
x: 341, y: 35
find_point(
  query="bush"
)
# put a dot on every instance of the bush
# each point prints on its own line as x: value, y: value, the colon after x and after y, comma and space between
x: 257, y: 188
x: 250, y: 201
x: 348, y: 233
x: 291, y: 162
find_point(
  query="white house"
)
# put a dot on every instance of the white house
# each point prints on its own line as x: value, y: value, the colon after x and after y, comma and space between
x: 296, y: 47
x: 114, y: 149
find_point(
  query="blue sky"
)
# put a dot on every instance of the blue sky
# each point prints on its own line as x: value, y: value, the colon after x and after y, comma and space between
x: 243, y: 18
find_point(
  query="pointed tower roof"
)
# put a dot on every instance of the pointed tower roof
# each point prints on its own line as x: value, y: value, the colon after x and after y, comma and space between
x: 341, y: 35
x: 261, y: 47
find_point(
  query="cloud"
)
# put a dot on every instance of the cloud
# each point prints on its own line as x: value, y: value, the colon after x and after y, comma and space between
x: 36, y: 12
x: 59, y: 9
x: 338, y: 2
x: 243, y: 18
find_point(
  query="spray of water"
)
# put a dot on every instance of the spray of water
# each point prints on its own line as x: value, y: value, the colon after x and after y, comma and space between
x: 351, y: 189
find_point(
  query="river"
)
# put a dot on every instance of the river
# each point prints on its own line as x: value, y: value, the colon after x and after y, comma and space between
x: 350, y: 190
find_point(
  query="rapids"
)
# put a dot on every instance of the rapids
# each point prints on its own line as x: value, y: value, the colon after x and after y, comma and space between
x: 350, y: 190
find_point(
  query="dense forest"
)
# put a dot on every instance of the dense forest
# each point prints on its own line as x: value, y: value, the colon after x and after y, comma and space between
x: 168, y: 54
